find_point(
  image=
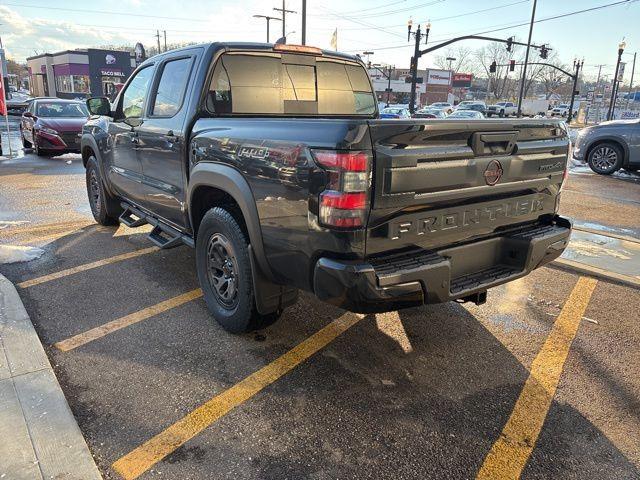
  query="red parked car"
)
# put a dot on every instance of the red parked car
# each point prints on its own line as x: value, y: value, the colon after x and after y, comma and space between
x: 52, y: 126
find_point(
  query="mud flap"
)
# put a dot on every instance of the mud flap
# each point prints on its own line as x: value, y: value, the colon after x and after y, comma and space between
x: 269, y: 297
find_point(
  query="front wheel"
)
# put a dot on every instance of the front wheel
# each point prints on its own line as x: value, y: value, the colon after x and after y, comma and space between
x: 224, y: 271
x: 25, y: 142
x: 605, y: 159
x: 102, y: 205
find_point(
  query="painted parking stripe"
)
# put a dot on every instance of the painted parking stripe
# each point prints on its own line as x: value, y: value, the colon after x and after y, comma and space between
x: 510, y: 453
x: 138, y: 461
x: 122, y: 322
x: 85, y: 267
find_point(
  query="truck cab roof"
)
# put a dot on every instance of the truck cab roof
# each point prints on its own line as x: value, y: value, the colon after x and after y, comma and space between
x: 213, y: 47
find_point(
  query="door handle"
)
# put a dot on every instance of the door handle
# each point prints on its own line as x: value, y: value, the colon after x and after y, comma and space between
x: 171, y: 137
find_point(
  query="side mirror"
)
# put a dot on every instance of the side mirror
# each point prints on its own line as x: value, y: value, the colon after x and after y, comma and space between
x: 27, y: 115
x: 99, y: 106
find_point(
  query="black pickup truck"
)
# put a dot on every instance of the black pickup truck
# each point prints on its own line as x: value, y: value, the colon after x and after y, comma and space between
x: 272, y: 162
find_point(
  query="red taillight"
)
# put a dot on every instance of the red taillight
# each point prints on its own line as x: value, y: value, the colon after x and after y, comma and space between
x: 345, y: 201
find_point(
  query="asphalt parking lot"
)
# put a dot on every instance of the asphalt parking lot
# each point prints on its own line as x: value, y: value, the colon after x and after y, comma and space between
x: 541, y: 381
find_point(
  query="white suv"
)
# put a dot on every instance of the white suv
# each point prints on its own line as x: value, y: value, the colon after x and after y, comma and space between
x: 502, y: 109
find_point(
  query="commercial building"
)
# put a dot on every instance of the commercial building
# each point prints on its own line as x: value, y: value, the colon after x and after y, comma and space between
x: 433, y: 85
x: 79, y: 73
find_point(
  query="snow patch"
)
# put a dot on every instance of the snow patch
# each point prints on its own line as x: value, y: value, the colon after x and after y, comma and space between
x: 19, y: 253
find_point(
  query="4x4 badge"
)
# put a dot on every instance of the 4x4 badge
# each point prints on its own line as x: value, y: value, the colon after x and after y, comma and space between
x: 493, y: 172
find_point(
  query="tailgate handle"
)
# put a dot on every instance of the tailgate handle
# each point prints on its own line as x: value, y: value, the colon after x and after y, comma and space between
x: 495, y: 143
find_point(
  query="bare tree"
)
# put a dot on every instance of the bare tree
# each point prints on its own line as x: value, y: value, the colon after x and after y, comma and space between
x: 500, y: 85
x: 464, y: 60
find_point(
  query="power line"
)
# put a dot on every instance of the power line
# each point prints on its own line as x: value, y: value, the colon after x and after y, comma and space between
x: 475, y: 12
x: 104, y: 12
x: 546, y: 19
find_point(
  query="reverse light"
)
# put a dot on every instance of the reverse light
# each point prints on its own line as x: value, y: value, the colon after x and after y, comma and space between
x: 345, y: 201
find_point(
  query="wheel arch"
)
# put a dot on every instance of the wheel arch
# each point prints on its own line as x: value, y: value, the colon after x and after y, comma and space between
x: 213, y: 184
x: 610, y: 139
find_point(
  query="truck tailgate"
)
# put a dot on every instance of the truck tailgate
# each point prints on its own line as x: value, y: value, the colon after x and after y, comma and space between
x: 442, y: 182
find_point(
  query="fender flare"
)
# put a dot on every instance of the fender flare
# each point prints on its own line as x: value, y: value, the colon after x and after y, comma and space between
x: 611, y: 138
x: 232, y: 182
x: 88, y: 140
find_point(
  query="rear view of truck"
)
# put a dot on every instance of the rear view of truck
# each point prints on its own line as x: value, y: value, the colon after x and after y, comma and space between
x: 453, y: 209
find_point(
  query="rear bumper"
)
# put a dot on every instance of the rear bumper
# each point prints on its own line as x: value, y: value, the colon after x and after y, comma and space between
x: 415, y: 278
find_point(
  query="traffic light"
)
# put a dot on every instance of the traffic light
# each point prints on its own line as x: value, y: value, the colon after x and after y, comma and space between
x: 493, y: 67
x: 509, y: 44
x: 544, y: 52
x: 512, y: 65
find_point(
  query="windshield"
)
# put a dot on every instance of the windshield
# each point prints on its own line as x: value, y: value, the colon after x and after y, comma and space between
x: 258, y: 83
x: 61, y: 109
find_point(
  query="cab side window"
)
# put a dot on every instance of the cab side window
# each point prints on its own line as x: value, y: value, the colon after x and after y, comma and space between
x: 171, y: 88
x: 134, y: 96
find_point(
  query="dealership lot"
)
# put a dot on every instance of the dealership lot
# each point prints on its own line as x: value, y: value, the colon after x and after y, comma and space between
x: 445, y: 391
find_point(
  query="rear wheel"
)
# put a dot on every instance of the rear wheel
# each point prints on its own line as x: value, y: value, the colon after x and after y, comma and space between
x: 224, y: 271
x: 605, y: 158
x: 103, y: 207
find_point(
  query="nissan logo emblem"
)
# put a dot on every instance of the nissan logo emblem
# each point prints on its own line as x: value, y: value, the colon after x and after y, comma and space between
x: 493, y: 172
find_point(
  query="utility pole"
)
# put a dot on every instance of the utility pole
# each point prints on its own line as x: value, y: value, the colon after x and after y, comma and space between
x: 414, y: 60
x: 633, y: 71
x: 304, y: 22
x: 268, y: 19
x: 612, y: 103
x: 158, y: 38
x: 284, y: 13
x: 165, y: 40
x: 526, y: 59
x: 577, y: 65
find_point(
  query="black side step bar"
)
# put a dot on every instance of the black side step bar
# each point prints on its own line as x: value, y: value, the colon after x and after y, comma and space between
x: 162, y: 235
x: 131, y: 217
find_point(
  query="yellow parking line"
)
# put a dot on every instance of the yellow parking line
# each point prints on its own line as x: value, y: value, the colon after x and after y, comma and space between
x: 135, y: 317
x: 152, y: 451
x: 85, y: 267
x: 510, y: 453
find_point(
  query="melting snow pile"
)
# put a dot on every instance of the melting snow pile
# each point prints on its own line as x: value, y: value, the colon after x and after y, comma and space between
x: 18, y: 253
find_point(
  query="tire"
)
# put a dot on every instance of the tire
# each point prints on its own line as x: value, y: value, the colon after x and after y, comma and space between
x: 501, y: 113
x: 605, y: 158
x: 224, y: 271
x: 103, y: 207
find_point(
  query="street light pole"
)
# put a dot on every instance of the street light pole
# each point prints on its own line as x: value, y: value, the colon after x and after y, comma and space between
x: 268, y: 19
x: 615, y: 81
x: 450, y: 60
x: 526, y: 59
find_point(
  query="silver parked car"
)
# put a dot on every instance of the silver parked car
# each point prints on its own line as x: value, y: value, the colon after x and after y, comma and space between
x: 609, y: 146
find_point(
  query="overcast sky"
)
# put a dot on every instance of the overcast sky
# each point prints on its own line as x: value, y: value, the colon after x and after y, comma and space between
x: 30, y: 26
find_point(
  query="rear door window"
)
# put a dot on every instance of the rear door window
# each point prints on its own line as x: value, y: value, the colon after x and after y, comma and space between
x: 171, y: 88
x: 274, y: 84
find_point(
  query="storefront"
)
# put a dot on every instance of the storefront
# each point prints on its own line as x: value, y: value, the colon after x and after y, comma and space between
x: 79, y: 73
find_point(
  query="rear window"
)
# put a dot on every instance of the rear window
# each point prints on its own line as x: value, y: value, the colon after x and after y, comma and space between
x: 274, y: 84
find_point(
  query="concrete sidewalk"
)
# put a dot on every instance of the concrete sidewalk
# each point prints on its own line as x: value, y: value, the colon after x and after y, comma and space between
x: 39, y: 437
x: 606, y: 255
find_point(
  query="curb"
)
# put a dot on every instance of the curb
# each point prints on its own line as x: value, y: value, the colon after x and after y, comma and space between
x: 45, y: 440
x: 583, y: 268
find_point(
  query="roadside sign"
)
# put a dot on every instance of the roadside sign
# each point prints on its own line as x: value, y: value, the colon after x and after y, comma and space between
x: 621, y: 71
x: 3, y: 100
